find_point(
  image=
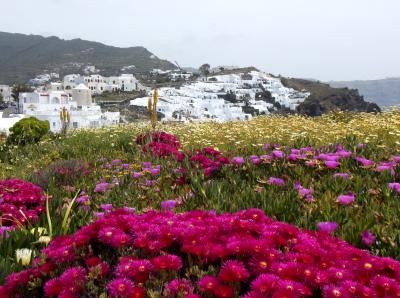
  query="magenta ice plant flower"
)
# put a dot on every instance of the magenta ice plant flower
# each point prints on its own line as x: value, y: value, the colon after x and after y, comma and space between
x: 394, y: 186
x: 106, y: 207
x: 102, y: 187
x: 346, y: 199
x: 368, y: 238
x: 276, y: 181
x: 345, y: 176
x: 331, y: 164
x: 327, y: 226
x: 168, y: 205
x: 238, y: 160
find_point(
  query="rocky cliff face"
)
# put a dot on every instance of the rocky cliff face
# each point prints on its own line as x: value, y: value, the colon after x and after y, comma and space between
x: 324, y: 98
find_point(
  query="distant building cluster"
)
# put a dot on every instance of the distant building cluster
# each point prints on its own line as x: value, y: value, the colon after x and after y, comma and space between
x: 218, y: 97
x: 225, y: 97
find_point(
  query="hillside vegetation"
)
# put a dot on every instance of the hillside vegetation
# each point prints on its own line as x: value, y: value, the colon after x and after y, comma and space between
x: 22, y: 57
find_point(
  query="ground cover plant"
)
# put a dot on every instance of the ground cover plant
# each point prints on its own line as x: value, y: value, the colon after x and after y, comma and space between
x: 336, y: 174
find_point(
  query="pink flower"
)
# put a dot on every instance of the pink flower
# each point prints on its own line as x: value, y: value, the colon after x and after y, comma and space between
x: 394, y: 186
x: 168, y: 205
x: 304, y: 192
x: 277, y: 154
x: 346, y: 199
x: 52, y: 287
x: 224, y: 291
x: 327, y: 226
x: 341, y: 175
x: 368, y: 238
x: 332, y: 164
x: 265, y: 284
x: 102, y: 187
x: 364, y: 162
x: 208, y: 283
x: 137, y: 270
x: 120, y: 288
x: 106, y: 207
x: 179, y: 286
x: 238, y: 160
x: 344, y: 153
x: 276, y: 181
x: 136, y: 175
x: 233, y: 271
x: 167, y: 262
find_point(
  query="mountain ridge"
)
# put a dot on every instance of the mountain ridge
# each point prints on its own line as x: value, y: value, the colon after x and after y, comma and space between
x: 22, y: 57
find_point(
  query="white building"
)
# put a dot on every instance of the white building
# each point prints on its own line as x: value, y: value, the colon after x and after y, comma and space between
x: 83, y: 113
x: 54, y: 86
x: 207, y: 98
x: 99, y: 84
x: 7, y: 123
x: 69, y: 81
x: 82, y: 95
x: 125, y: 82
x: 6, y: 92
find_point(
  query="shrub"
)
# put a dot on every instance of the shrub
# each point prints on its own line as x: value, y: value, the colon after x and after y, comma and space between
x: 28, y: 131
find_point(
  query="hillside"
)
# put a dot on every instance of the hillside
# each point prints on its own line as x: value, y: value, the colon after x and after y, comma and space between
x: 324, y: 98
x: 385, y: 92
x: 22, y: 57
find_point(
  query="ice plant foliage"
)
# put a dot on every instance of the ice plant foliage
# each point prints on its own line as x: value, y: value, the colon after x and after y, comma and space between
x: 21, y: 203
x: 245, y: 254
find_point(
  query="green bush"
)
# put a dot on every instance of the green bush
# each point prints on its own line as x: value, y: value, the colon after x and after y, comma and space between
x: 28, y: 131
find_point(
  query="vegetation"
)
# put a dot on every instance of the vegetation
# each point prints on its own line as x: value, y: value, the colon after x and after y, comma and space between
x: 338, y: 173
x: 28, y: 131
x: 37, y: 54
x: 205, y: 69
x: 117, y: 96
x: 19, y: 88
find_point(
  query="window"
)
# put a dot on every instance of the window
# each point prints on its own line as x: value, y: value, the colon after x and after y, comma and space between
x: 75, y: 124
x: 54, y: 124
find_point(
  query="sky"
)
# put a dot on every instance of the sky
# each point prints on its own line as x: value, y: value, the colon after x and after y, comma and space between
x: 319, y: 39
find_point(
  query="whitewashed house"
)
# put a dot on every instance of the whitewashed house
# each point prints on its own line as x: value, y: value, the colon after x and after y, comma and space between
x: 124, y: 82
x: 99, y: 84
x: 83, y: 113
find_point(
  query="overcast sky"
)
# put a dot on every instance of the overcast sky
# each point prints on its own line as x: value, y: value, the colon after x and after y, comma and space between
x: 322, y: 39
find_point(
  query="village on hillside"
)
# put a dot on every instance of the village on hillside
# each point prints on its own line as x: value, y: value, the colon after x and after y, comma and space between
x: 183, y: 96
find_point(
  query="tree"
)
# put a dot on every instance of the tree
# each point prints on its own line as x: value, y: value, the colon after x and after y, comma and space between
x: 20, y: 88
x: 205, y: 69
